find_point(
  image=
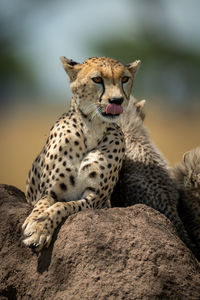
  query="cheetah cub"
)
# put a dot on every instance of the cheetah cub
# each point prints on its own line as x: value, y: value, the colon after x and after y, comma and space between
x: 187, y: 178
x: 80, y: 162
x: 145, y: 175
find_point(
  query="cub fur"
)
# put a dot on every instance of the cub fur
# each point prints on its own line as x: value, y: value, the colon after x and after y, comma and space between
x: 145, y: 176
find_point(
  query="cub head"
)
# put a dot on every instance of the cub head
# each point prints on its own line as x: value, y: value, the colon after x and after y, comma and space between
x: 101, y: 86
x: 191, y: 162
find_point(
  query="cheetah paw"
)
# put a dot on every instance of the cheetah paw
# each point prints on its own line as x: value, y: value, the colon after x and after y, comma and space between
x: 38, y: 232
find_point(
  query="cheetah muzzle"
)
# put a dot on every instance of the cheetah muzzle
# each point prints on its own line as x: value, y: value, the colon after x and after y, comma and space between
x: 79, y: 165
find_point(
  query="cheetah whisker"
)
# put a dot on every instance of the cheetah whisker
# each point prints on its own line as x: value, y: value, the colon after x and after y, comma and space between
x: 88, y: 108
x: 96, y: 113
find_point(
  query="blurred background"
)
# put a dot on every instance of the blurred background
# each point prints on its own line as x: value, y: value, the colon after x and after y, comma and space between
x: 34, y: 89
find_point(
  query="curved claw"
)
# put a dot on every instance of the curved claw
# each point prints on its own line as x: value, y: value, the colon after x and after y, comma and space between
x: 34, y: 245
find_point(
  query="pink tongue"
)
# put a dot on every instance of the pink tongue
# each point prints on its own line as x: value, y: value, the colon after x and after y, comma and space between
x: 114, y: 109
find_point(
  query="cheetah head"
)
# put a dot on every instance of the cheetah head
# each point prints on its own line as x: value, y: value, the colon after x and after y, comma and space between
x: 101, y: 86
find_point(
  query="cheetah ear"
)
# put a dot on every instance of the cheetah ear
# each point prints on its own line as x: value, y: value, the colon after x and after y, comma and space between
x: 71, y: 67
x: 134, y: 67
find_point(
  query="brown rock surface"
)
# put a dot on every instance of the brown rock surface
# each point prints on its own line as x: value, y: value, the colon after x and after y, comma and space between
x: 117, y: 253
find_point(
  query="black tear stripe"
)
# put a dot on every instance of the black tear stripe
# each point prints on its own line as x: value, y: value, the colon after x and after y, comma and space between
x: 124, y: 92
x: 100, y: 99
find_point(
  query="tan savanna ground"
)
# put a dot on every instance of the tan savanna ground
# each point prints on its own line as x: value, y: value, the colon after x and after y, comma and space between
x: 23, y: 134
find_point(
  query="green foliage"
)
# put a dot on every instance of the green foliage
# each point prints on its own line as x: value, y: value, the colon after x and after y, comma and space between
x: 12, y: 66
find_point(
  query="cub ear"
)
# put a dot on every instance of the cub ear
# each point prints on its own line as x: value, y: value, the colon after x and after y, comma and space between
x: 186, y: 156
x: 140, y: 104
x: 71, y: 67
x: 140, y: 108
x: 134, y: 67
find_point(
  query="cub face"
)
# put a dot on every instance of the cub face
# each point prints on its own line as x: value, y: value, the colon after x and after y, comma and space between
x: 101, y: 86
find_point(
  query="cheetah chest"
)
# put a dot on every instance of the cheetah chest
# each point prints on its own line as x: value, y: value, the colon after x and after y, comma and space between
x: 73, y: 160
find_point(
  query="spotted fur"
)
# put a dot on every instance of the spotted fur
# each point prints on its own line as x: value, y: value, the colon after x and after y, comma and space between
x: 80, y: 162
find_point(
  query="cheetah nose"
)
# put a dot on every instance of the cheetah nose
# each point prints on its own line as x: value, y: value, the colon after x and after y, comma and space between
x: 118, y: 101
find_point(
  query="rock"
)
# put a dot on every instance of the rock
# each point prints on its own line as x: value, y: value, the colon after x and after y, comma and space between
x: 117, y: 253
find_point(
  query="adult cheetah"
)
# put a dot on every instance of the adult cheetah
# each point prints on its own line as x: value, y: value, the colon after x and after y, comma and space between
x: 80, y: 162
x: 145, y: 175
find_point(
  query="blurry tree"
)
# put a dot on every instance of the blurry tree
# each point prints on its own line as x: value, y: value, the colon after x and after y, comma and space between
x: 16, y: 74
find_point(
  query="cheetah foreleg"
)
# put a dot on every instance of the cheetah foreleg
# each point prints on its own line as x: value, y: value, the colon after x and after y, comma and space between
x: 28, y: 226
x: 39, y: 233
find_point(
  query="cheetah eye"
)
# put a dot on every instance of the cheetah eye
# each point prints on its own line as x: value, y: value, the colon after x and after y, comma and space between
x: 97, y: 80
x: 125, y: 79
